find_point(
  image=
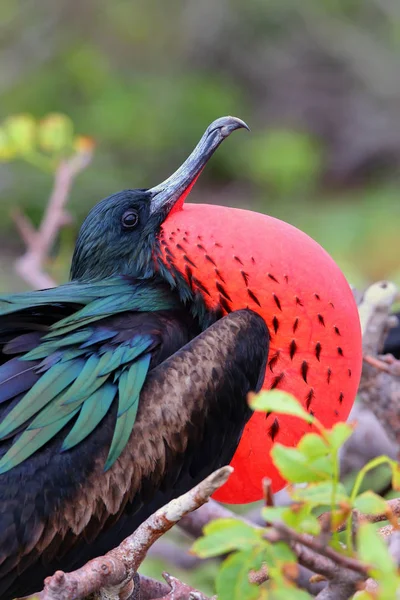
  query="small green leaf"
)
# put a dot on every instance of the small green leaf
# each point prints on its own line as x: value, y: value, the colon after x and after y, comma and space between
x: 373, y: 551
x: 312, y: 445
x: 298, y: 517
x: 288, y: 592
x: 370, y: 503
x: 225, y: 535
x: 279, y: 554
x: 395, y: 475
x: 279, y: 402
x: 232, y: 581
x: 339, y: 434
x: 55, y: 133
x: 297, y: 468
x: 273, y: 513
x: 320, y: 494
x: 7, y: 149
x: 21, y: 132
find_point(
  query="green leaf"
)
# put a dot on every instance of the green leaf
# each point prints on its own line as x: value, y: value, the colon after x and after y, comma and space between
x: 370, y: 503
x: 288, y: 592
x: 395, y: 475
x: 313, y: 445
x: 274, y: 513
x: 7, y: 149
x: 232, y: 581
x: 297, y: 468
x: 225, y: 535
x: 297, y: 516
x: 373, y: 551
x: 21, y: 132
x: 279, y: 402
x: 320, y: 494
x: 280, y: 554
x: 339, y: 434
x: 55, y: 133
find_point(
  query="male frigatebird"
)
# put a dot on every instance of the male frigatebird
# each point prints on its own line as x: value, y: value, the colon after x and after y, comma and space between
x: 128, y: 385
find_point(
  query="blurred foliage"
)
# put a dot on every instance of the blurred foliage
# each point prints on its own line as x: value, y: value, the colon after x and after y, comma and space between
x: 41, y: 143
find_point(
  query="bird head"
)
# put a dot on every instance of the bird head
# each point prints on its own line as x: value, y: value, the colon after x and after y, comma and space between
x: 120, y: 235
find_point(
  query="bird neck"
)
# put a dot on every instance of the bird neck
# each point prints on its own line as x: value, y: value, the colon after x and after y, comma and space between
x: 190, y: 297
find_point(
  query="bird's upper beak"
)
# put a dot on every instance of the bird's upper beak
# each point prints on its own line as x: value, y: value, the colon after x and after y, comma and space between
x: 171, y: 193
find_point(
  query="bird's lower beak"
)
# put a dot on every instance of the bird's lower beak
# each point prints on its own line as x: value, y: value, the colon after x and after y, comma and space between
x: 171, y: 193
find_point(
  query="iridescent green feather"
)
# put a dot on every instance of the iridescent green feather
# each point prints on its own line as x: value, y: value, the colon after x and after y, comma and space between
x: 79, y: 364
x: 30, y: 441
x: 52, y: 382
x: 92, y: 412
x: 129, y: 387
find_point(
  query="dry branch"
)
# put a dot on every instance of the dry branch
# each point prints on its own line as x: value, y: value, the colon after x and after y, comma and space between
x: 113, y: 572
x: 31, y: 266
x: 380, y: 386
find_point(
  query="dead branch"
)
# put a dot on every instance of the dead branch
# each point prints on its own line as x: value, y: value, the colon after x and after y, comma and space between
x: 110, y: 576
x: 181, y: 591
x: 282, y: 533
x: 31, y: 266
x: 380, y: 386
x: 151, y: 589
x: 392, y: 511
x: 344, y: 573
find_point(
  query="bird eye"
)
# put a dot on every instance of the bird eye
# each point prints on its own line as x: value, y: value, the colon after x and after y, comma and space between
x: 130, y: 219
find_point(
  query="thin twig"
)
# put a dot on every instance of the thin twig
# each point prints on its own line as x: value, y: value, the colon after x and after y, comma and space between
x: 393, y: 511
x: 281, y: 532
x: 379, y: 388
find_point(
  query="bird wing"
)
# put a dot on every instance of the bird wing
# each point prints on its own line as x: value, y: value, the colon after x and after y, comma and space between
x: 191, y: 415
x: 72, y: 352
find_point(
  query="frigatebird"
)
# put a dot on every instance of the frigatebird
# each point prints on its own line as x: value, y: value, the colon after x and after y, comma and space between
x: 126, y: 386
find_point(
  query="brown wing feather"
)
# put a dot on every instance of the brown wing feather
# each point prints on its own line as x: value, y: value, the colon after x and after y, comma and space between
x: 192, y: 411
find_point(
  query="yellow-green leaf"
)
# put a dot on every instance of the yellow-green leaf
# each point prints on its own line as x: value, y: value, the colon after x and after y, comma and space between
x: 232, y: 581
x: 298, y: 517
x: 7, y: 150
x: 339, y: 433
x: 320, y: 494
x: 21, y: 133
x: 279, y: 402
x: 395, y: 475
x: 313, y: 445
x: 297, y: 468
x: 288, y: 592
x: 55, y: 133
x: 370, y: 503
x: 373, y: 551
x: 224, y: 535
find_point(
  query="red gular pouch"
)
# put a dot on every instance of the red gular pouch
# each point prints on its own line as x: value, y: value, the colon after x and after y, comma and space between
x: 240, y: 259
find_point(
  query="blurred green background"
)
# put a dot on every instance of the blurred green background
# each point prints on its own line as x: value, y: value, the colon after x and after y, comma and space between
x: 318, y: 82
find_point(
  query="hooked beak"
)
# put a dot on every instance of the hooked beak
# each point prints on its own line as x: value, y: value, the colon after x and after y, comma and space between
x: 171, y: 193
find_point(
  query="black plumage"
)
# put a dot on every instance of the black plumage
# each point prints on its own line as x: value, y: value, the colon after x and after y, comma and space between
x: 58, y: 510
